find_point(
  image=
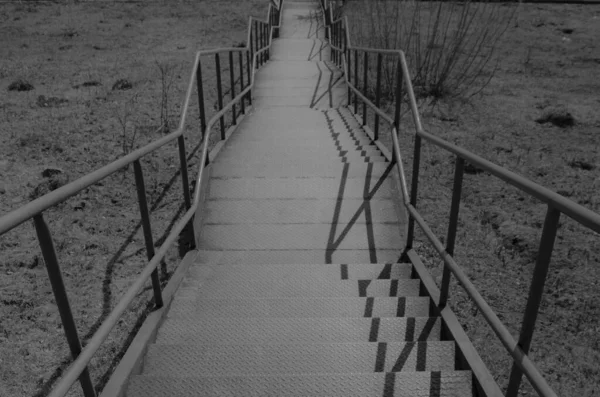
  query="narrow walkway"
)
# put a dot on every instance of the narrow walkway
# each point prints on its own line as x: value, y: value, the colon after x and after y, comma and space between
x: 300, y: 182
x: 287, y: 297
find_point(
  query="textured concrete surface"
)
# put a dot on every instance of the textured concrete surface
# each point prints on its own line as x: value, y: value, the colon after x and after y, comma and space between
x: 296, y: 290
x: 413, y: 384
x: 412, y: 306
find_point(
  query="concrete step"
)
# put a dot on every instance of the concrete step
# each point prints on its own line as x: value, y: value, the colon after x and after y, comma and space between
x: 257, y: 151
x: 282, y: 256
x: 294, y: 359
x: 293, y: 188
x: 388, y: 271
x: 258, y: 330
x: 300, y: 236
x: 413, y: 384
x: 297, y: 48
x: 274, y: 71
x: 266, y: 288
x: 336, y: 100
x: 279, y: 167
x: 248, y: 145
x: 411, y: 306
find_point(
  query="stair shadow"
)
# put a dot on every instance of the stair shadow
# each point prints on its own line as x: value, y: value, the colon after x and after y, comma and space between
x: 368, y: 193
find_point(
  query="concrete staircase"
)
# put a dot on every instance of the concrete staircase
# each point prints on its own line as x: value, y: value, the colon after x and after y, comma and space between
x: 285, y: 297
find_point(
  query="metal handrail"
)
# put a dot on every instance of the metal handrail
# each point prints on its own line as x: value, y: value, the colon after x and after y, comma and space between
x: 35, y: 208
x: 340, y: 44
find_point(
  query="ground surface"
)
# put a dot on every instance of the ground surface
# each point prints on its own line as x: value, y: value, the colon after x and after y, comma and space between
x: 76, y: 119
x: 548, y: 64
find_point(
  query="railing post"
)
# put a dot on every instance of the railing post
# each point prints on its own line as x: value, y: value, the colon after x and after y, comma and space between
x: 220, y: 93
x: 267, y: 38
x: 349, y: 77
x: 184, y: 172
x: 335, y: 40
x: 398, y: 97
x: 201, y: 107
x: 413, y: 191
x: 535, y: 293
x: 452, y: 225
x: 62, y: 300
x: 141, y: 190
x: 356, y: 80
x: 256, y: 48
x: 378, y: 95
x: 232, y: 80
x: 338, y: 44
x: 241, y: 62
x: 365, y: 86
x: 249, y: 58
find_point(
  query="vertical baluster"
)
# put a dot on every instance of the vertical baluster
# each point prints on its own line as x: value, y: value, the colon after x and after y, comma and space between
x: 536, y: 290
x: 200, y: 88
x: 334, y: 40
x: 349, y: 77
x: 452, y: 225
x: 141, y: 190
x: 267, y: 40
x: 62, y: 300
x: 398, y: 95
x: 232, y: 80
x: 184, y: 172
x: 262, y: 43
x: 413, y: 191
x: 378, y: 96
x: 220, y: 93
x: 365, y: 86
x: 356, y: 80
x: 256, y: 46
x: 249, y: 58
x: 241, y: 62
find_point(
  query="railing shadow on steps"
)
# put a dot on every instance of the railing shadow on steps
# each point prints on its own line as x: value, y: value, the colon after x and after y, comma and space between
x: 346, y: 57
x: 256, y: 52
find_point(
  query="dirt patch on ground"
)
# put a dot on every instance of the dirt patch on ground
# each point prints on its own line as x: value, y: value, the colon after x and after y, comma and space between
x: 82, y: 84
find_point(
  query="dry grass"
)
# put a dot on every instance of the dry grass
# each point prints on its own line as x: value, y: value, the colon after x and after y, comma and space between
x: 80, y: 87
x: 544, y: 75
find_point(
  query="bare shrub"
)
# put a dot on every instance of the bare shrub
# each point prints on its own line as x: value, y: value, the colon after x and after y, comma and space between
x: 449, y: 45
x: 124, y: 113
x: 167, y: 73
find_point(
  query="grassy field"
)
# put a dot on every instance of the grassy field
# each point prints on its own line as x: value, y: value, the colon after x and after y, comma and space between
x: 548, y: 63
x: 82, y: 84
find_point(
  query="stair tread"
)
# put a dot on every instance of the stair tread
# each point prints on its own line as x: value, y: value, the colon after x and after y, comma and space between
x: 414, y: 384
x: 296, y: 211
x: 296, y: 330
x: 305, y: 358
x: 283, y: 256
x: 272, y: 271
x: 215, y: 288
x: 301, y: 307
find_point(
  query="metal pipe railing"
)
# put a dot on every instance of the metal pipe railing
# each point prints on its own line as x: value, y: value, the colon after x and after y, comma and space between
x: 34, y: 209
x: 556, y: 204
